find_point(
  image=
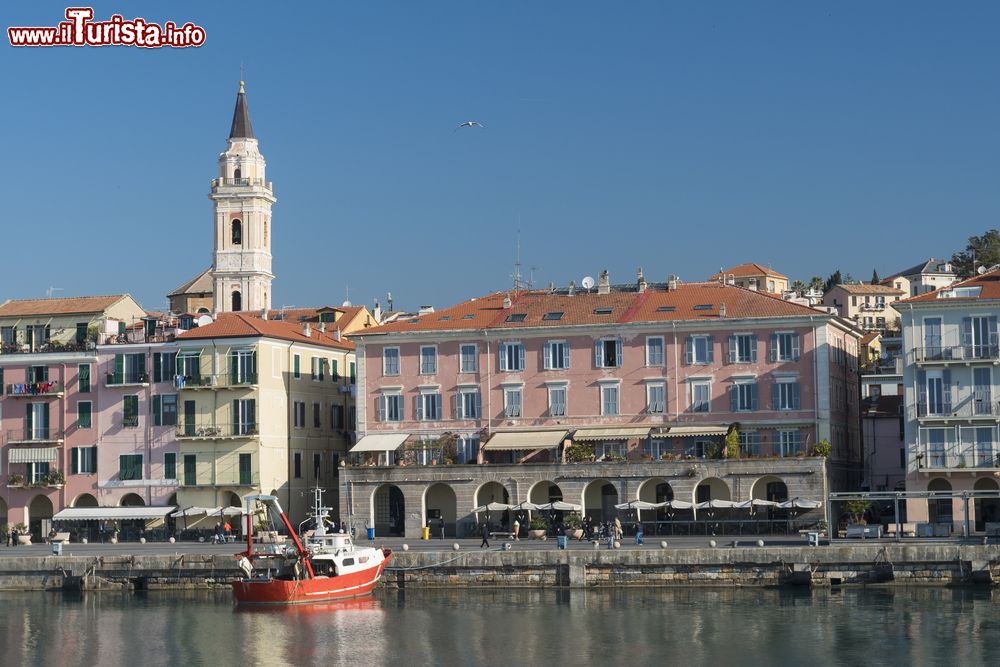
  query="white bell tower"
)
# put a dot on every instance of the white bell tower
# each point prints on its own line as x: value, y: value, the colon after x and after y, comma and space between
x: 242, y: 200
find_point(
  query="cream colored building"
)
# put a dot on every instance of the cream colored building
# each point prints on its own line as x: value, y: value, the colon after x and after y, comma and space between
x: 867, y: 305
x: 264, y: 407
x: 39, y: 325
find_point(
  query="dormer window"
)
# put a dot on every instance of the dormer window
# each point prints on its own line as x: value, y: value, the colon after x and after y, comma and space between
x: 237, y: 232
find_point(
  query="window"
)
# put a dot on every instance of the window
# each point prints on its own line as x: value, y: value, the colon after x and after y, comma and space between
x: 789, y: 442
x: 37, y: 472
x: 83, y: 461
x: 170, y: 465
x: 608, y: 450
x: 785, y: 347
x: 512, y: 402
x: 297, y: 462
x: 555, y: 355
x: 391, y: 408
x: 237, y: 302
x: 743, y: 397
x: 656, y: 398
x: 352, y: 418
x: 666, y: 309
x: 469, y: 404
x: 353, y: 371
x: 130, y: 411
x: 390, y: 361
x: 84, y: 414
x: 428, y: 360
x: 246, y: 469
x: 654, y: 350
x: 552, y: 316
x: 296, y: 366
x: 83, y: 378
x: 317, y: 416
x: 38, y: 421
x: 317, y: 368
x: 38, y: 374
x: 429, y: 407
x: 608, y: 353
x: 164, y: 366
x: 337, y: 417
x: 603, y: 311
x: 516, y: 317
x: 469, y: 359
x: 129, y: 369
x: 242, y: 367
x: 334, y: 370
x: 699, y: 349
x: 237, y: 232
x: 317, y: 465
x: 244, y: 416
x: 743, y: 349
x: 190, y: 469
x: 701, y: 396
x: 299, y: 410
x: 979, y: 337
x: 785, y: 395
x: 130, y: 466
x: 609, y: 400
x: 749, y: 443
x: 703, y: 306
x: 511, y: 357
x: 557, y: 401
x: 468, y: 449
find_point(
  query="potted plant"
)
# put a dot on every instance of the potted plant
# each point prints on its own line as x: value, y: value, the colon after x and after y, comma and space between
x: 55, y: 478
x: 537, y: 528
x: 15, y: 480
x: 822, y: 448
x: 573, y: 526
x: 23, y: 536
x: 579, y: 452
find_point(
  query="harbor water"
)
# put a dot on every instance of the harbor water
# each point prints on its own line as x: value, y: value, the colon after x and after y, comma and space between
x: 690, y: 626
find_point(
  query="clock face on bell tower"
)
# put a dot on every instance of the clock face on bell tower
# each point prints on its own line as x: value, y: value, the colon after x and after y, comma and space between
x: 242, y: 199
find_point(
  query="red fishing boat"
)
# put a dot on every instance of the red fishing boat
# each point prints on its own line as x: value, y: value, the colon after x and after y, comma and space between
x: 329, y: 567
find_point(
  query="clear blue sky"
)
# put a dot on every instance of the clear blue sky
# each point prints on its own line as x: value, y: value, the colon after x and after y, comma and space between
x: 674, y: 136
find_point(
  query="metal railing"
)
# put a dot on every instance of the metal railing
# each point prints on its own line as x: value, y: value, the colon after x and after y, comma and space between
x: 224, y: 477
x: 941, y: 353
x: 966, y: 407
x: 126, y: 379
x: 216, y: 381
x: 48, y: 347
x: 36, y: 434
x: 46, y: 388
x: 209, y: 431
x: 954, y: 457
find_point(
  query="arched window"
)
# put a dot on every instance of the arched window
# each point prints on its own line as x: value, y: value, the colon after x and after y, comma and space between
x: 237, y: 232
x: 237, y: 174
x: 237, y: 301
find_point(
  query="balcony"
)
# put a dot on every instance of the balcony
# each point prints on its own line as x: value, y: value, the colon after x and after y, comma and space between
x: 48, y: 347
x: 34, y: 389
x: 229, y: 477
x: 127, y: 380
x: 958, y: 457
x: 216, y: 381
x: 975, y: 405
x: 956, y: 353
x: 208, y: 431
x: 22, y: 436
x: 241, y: 182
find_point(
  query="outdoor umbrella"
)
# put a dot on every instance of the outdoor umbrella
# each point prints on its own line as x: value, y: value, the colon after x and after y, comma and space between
x: 560, y: 506
x: 639, y: 505
x: 800, y: 503
x: 525, y: 505
x: 715, y: 505
x: 493, y: 507
x: 756, y: 502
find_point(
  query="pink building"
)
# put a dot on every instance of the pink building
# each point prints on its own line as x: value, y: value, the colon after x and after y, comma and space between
x: 636, y: 373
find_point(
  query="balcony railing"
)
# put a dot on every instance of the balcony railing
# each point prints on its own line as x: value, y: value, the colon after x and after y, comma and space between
x: 48, y: 347
x: 22, y: 436
x: 127, y: 380
x: 953, y: 457
x: 208, y: 431
x: 944, y: 353
x: 967, y: 407
x: 222, y: 478
x: 32, y: 389
x: 216, y: 381
x: 240, y: 182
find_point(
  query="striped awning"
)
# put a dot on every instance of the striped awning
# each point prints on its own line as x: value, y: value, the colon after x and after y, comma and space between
x: 32, y: 454
x: 382, y: 442
x: 694, y: 431
x: 615, y: 433
x: 112, y: 513
x: 526, y: 440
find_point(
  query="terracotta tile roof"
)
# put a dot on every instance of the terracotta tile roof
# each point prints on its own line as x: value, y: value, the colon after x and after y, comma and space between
x: 687, y: 302
x: 748, y: 270
x: 863, y: 288
x: 60, y: 306
x: 245, y: 325
x: 869, y: 337
x: 989, y: 284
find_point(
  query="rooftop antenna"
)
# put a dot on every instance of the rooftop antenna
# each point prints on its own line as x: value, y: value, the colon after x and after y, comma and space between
x: 518, y: 281
x: 50, y: 290
x: 347, y: 297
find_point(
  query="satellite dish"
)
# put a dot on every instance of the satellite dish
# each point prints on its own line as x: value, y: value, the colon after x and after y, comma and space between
x: 205, y: 320
x: 981, y: 270
x: 346, y: 304
x: 587, y: 282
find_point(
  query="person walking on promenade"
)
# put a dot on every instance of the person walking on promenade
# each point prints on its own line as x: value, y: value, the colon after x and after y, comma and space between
x: 611, y: 535
x: 13, y: 537
x: 586, y: 528
x: 220, y: 536
x: 517, y: 530
x: 227, y: 529
x: 485, y: 532
x: 638, y: 533
x: 618, y: 529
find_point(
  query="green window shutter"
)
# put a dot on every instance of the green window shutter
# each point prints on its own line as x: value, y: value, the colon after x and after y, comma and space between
x: 157, y: 371
x: 74, y: 463
x: 45, y: 374
x: 234, y: 367
x: 253, y: 368
x: 336, y: 372
x: 236, y: 417
x: 119, y: 368
x: 84, y: 414
x: 45, y: 417
x: 296, y: 370
x: 30, y: 419
x: 157, y: 417
x: 83, y: 378
x: 170, y: 466
x: 354, y: 375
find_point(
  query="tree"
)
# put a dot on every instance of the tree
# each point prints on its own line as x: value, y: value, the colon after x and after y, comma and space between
x: 875, y: 280
x: 799, y: 287
x: 981, y: 251
x: 816, y: 283
x: 834, y: 279
x: 732, y: 449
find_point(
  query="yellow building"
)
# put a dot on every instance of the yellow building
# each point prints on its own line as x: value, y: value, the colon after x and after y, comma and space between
x: 265, y: 407
x: 72, y: 323
x: 753, y: 276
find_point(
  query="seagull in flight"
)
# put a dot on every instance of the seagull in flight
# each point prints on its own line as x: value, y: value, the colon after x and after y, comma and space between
x: 468, y: 123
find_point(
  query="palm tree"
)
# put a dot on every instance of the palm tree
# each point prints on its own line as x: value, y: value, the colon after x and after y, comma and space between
x: 799, y: 287
x: 816, y: 283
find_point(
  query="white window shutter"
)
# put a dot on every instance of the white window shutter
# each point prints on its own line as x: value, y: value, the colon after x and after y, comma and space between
x: 732, y: 349
x: 618, y: 352
x: 795, y: 346
x: 547, y: 356
x: 520, y: 357
x: 503, y: 356
x: 597, y: 354
x: 381, y: 410
x: 565, y: 352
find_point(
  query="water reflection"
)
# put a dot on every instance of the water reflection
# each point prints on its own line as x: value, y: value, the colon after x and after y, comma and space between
x: 622, y: 626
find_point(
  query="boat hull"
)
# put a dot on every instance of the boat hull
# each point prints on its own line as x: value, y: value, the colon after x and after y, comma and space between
x: 304, y: 591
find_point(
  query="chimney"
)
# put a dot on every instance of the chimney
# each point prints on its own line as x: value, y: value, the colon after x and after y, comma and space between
x: 552, y: 286
x: 336, y: 335
x: 377, y: 311
x: 388, y: 299
x: 722, y: 310
x: 263, y: 314
x: 322, y: 327
x: 306, y: 330
x: 671, y: 282
x: 506, y: 301
x: 604, y: 283
x: 572, y: 288
x: 641, y: 282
